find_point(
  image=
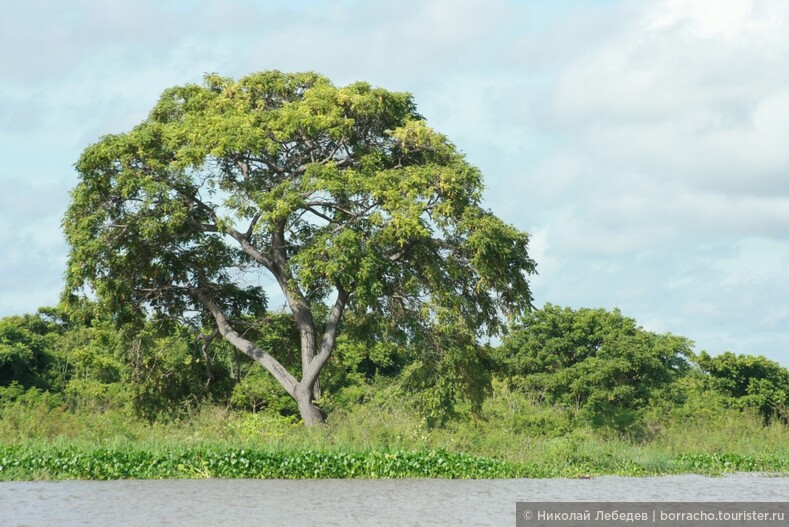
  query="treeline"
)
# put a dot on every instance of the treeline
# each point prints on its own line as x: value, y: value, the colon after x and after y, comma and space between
x: 563, y: 368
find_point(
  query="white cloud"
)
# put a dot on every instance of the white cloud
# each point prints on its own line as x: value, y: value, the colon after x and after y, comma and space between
x: 663, y: 189
x: 680, y: 116
x: 33, y: 248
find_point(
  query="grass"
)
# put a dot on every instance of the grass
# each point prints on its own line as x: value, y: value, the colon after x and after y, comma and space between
x: 385, y: 438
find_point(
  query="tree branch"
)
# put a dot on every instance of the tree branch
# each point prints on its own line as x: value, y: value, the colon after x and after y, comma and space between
x: 276, y: 369
x: 251, y: 250
x: 320, y: 215
x: 310, y: 374
x: 252, y: 224
x: 244, y: 166
x: 204, y: 227
x: 403, y: 250
x: 328, y: 205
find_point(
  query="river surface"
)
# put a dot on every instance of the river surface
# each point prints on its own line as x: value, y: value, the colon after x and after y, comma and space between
x: 425, y: 502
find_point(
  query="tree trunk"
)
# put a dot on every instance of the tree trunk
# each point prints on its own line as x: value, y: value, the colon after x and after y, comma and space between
x: 305, y: 391
x: 308, y: 344
x: 309, y: 412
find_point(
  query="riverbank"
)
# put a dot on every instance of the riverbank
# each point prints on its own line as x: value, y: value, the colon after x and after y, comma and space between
x: 42, y: 441
x: 216, y: 443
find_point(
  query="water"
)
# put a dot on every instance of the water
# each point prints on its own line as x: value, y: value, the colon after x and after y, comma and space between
x: 344, y: 502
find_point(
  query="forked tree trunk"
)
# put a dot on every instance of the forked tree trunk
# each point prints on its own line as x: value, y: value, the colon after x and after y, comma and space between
x: 313, y: 354
x: 303, y: 391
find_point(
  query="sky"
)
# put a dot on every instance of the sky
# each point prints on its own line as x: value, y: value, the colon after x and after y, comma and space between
x: 642, y: 144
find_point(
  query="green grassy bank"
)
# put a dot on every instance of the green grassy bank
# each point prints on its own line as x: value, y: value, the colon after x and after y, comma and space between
x: 382, y: 439
x: 568, y: 393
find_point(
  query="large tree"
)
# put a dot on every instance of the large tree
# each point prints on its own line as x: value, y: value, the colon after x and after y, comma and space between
x: 345, y: 196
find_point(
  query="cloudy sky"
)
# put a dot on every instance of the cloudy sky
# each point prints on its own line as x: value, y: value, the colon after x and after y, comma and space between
x: 643, y: 144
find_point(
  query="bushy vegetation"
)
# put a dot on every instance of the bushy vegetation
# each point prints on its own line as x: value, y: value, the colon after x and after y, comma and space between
x: 596, y: 362
x: 116, y: 463
x: 568, y: 393
x: 748, y: 382
x: 386, y: 436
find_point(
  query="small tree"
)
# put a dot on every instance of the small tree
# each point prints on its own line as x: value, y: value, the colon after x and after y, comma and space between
x: 593, y: 360
x: 343, y: 195
x: 748, y: 381
x: 27, y: 353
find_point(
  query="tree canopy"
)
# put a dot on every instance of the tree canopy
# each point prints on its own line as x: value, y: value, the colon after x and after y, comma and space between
x: 26, y: 354
x: 593, y: 360
x: 344, y: 196
x: 749, y: 381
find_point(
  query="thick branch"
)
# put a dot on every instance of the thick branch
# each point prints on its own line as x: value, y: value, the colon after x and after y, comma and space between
x: 271, y: 166
x: 244, y: 166
x: 299, y: 306
x: 311, y: 372
x: 248, y: 248
x: 204, y: 227
x: 320, y: 215
x: 206, y: 342
x: 276, y: 369
x: 289, y: 287
x: 252, y: 224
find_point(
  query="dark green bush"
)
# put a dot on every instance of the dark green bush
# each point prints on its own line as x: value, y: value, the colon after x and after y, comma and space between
x: 748, y: 382
x: 596, y: 362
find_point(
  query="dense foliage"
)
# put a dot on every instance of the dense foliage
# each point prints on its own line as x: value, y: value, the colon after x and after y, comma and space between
x: 129, y: 463
x: 598, y: 362
x: 241, y: 463
x: 26, y: 352
x: 344, y: 196
x: 163, y: 401
x: 748, y: 381
x: 575, y: 368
